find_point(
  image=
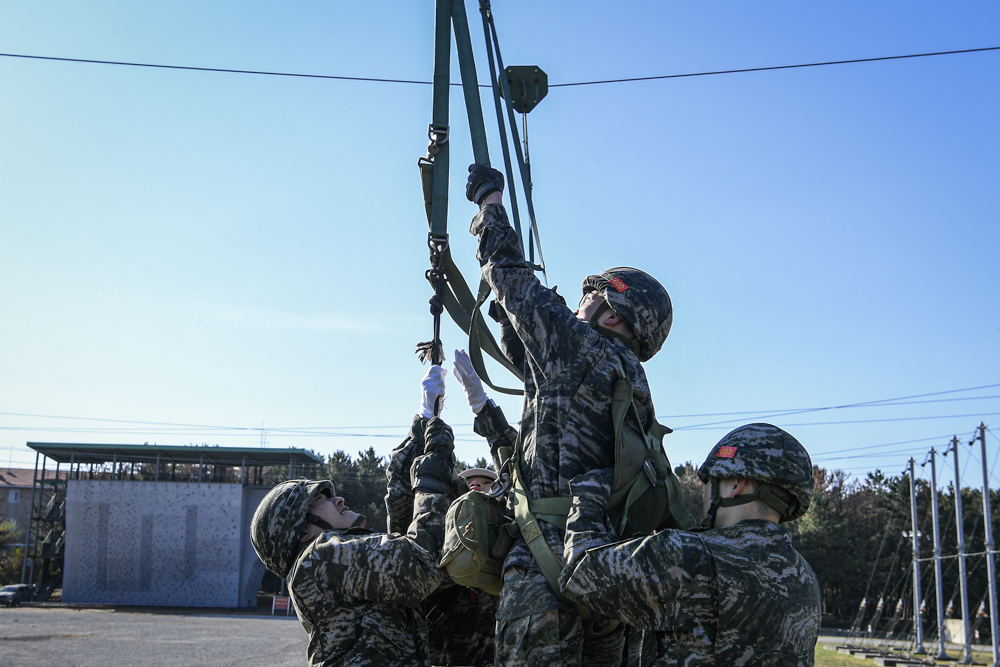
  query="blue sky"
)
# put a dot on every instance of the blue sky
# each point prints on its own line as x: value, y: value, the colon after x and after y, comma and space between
x: 231, y: 250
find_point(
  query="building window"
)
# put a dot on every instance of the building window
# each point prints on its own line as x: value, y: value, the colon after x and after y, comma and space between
x: 14, y: 496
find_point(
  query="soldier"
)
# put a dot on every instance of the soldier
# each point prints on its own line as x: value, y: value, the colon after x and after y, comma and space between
x: 571, y: 360
x: 479, y: 479
x: 737, y: 593
x: 354, y: 590
x: 457, y: 623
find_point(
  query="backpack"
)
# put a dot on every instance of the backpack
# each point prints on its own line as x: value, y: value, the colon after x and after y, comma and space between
x: 645, y: 493
x: 477, y: 537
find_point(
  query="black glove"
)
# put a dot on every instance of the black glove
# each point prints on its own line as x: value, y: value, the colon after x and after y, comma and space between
x: 432, y: 472
x: 482, y: 181
x: 398, y: 492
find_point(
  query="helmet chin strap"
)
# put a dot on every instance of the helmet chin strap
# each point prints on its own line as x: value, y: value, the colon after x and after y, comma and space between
x: 610, y: 333
x: 315, y: 520
x: 325, y: 525
x: 763, y: 493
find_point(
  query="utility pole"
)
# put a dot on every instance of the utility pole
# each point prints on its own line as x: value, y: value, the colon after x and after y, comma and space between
x: 938, y: 581
x: 962, y: 570
x: 918, y: 621
x: 990, y: 566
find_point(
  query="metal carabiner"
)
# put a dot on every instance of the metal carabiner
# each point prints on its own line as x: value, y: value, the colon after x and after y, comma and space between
x: 650, y: 471
x: 436, y: 135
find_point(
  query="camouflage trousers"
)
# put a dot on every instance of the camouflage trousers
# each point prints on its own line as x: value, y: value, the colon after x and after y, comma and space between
x: 553, y: 637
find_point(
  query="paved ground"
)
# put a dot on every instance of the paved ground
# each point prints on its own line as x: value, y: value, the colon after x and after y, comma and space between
x: 85, y: 637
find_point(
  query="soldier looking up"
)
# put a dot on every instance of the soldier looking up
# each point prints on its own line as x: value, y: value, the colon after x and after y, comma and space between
x: 355, y: 591
x: 736, y: 593
x: 571, y: 361
x: 479, y: 479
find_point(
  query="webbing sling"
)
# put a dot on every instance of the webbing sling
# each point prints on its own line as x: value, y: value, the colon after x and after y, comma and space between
x: 455, y: 295
x: 552, y: 510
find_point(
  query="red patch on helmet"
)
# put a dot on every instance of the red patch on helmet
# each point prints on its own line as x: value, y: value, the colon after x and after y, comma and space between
x: 726, y: 453
x: 618, y: 284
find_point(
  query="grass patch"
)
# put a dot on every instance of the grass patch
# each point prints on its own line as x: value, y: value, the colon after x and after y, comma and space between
x: 827, y: 658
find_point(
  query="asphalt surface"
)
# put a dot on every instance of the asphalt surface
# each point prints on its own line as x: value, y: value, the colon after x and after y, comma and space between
x: 81, y: 637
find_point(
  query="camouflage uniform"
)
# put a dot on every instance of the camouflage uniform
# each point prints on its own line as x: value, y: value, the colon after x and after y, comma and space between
x: 739, y: 595
x: 356, y: 591
x: 461, y: 626
x: 566, y: 430
x: 458, y: 623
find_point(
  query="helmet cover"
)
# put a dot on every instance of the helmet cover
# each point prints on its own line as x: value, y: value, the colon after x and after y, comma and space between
x: 763, y: 453
x: 640, y: 300
x: 280, y: 520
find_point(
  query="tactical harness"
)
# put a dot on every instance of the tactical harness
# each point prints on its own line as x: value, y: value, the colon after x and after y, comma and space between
x: 645, y: 497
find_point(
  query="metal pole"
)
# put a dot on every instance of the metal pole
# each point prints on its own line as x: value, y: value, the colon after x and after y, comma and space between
x: 990, y: 565
x: 31, y: 513
x: 962, y: 570
x: 918, y: 621
x: 938, y: 580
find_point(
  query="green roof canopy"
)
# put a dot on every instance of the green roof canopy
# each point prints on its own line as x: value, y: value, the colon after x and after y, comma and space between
x: 223, y: 456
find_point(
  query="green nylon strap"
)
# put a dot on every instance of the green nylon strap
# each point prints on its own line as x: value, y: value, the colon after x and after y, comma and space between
x: 470, y: 83
x: 552, y: 510
x: 464, y: 310
x: 532, y: 534
x: 458, y: 299
x: 442, y: 82
x: 478, y: 324
x: 548, y: 562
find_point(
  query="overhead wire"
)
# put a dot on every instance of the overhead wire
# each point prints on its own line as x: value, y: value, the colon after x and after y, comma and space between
x: 874, y: 404
x: 223, y: 70
x: 782, y: 413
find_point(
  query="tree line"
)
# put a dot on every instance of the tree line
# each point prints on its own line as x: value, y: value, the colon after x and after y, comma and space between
x: 855, y: 534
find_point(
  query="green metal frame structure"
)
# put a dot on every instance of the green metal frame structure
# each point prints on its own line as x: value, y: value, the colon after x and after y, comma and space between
x: 80, y: 459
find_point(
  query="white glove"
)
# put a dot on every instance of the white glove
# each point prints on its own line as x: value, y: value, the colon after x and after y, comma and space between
x: 431, y: 388
x: 470, y: 381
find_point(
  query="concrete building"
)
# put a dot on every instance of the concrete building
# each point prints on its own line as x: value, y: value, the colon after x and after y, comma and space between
x: 15, y: 499
x: 151, y: 525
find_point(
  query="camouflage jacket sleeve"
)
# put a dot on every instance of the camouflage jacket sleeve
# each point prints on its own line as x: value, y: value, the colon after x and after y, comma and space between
x: 491, y: 424
x: 551, y: 334
x: 389, y: 568
x: 398, y: 491
x: 511, y: 345
x: 649, y: 582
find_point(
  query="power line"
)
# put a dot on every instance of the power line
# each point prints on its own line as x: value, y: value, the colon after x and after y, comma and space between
x: 427, y: 83
x: 721, y: 425
x: 873, y: 404
x: 289, y: 431
x: 889, y: 444
x: 785, y: 413
x: 776, y: 67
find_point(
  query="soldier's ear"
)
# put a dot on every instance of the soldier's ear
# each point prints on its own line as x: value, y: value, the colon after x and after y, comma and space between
x: 610, y: 318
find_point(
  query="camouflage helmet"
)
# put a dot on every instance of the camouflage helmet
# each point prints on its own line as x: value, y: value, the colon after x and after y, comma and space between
x: 641, y: 301
x: 280, y: 520
x: 767, y: 454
